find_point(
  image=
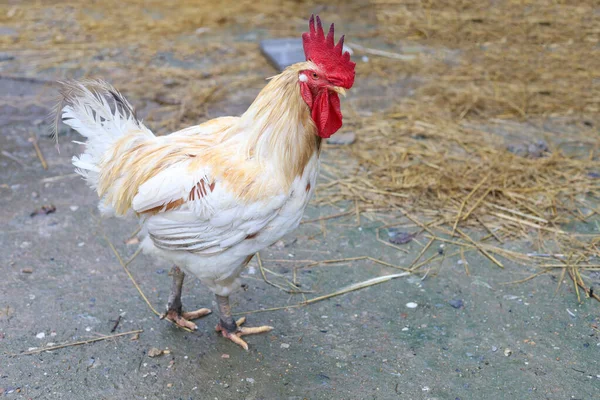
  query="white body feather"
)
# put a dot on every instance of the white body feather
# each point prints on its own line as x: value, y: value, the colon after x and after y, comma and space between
x: 210, y: 236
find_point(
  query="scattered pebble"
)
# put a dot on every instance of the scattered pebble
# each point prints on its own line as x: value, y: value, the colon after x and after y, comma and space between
x: 43, y: 210
x: 494, y: 349
x: 81, y: 244
x: 88, y: 328
x: 224, y: 355
x: 251, y: 380
x: 285, y: 346
x: 411, y: 305
x: 74, y: 208
x: 169, y: 385
x: 425, y: 388
x: 458, y: 303
x: 400, y: 237
x: 507, y: 352
x: 404, y: 329
x: 27, y: 270
x: 154, y: 352
x: 40, y: 335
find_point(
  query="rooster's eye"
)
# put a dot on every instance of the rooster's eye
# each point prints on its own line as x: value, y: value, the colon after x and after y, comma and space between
x: 315, y: 76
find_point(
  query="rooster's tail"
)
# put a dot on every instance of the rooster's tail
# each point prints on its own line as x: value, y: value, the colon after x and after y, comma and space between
x: 103, y: 116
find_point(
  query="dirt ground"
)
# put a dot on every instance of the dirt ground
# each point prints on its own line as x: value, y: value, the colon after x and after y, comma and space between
x: 467, y: 335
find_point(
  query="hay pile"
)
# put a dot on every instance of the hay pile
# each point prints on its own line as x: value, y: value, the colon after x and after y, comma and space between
x: 475, y: 68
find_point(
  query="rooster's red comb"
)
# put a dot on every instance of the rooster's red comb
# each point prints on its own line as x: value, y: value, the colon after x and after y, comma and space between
x: 332, y: 58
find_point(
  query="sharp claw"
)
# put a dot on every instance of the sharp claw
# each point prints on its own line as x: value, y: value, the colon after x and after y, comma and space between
x: 196, y: 314
x: 182, y: 320
x: 237, y: 340
x: 254, y: 331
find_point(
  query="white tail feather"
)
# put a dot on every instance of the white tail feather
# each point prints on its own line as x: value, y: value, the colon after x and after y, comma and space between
x: 102, y: 115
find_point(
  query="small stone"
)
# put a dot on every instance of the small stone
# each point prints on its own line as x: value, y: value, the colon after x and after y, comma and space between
x: 74, y: 208
x: 27, y: 270
x: 507, y: 352
x: 169, y: 385
x: 6, y: 57
x: 285, y: 346
x: 251, y: 380
x: 457, y: 303
x: 400, y: 237
x: 494, y: 349
x: 40, y: 335
x: 225, y: 356
x: 154, y: 352
x: 411, y: 305
x: 284, y: 52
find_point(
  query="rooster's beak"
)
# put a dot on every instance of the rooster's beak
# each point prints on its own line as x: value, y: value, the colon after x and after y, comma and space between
x: 338, y: 89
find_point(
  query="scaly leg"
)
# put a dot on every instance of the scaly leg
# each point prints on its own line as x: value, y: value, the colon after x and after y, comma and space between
x: 232, y: 329
x: 174, y: 308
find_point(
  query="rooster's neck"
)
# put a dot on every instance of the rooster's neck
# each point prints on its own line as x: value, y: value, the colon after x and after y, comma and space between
x: 278, y: 127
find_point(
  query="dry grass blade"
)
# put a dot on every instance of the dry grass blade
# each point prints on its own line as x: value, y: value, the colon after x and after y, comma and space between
x: 61, y: 346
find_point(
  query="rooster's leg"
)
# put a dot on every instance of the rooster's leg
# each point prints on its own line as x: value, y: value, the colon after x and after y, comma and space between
x: 174, y: 308
x: 232, y: 329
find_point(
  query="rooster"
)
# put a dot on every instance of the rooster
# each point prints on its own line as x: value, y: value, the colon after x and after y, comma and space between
x: 210, y: 196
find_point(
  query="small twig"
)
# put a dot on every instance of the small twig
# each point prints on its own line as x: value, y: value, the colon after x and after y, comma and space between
x: 114, y: 328
x: 480, y: 248
x: 423, y: 250
x: 38, y: 151
x: 526, y: 279
x: 15, y: 159
x: 264, y: 276
x: 58, y: 178
x: 464, y: 202
x: 78, y: 343
x: 308, y: 221
x: 382, y: 53
x: 357, y: 286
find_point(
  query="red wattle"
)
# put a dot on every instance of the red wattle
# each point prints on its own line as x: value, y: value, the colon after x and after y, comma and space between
x: 306, y: 94
x: 326, y: 113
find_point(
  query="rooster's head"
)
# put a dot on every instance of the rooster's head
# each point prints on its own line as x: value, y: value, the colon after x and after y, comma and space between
x: 330, y: 73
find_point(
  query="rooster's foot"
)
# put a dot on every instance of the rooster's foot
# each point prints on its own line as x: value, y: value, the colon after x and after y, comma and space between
x: 235, y: 334
x: 184, y: 320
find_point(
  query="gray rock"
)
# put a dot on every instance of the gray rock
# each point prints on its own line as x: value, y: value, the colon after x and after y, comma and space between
x: 282, y: 53
x: 6, y: 57
x: 457, y: 303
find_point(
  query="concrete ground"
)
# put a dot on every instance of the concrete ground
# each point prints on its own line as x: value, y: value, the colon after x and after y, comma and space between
x: 469, y: 336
